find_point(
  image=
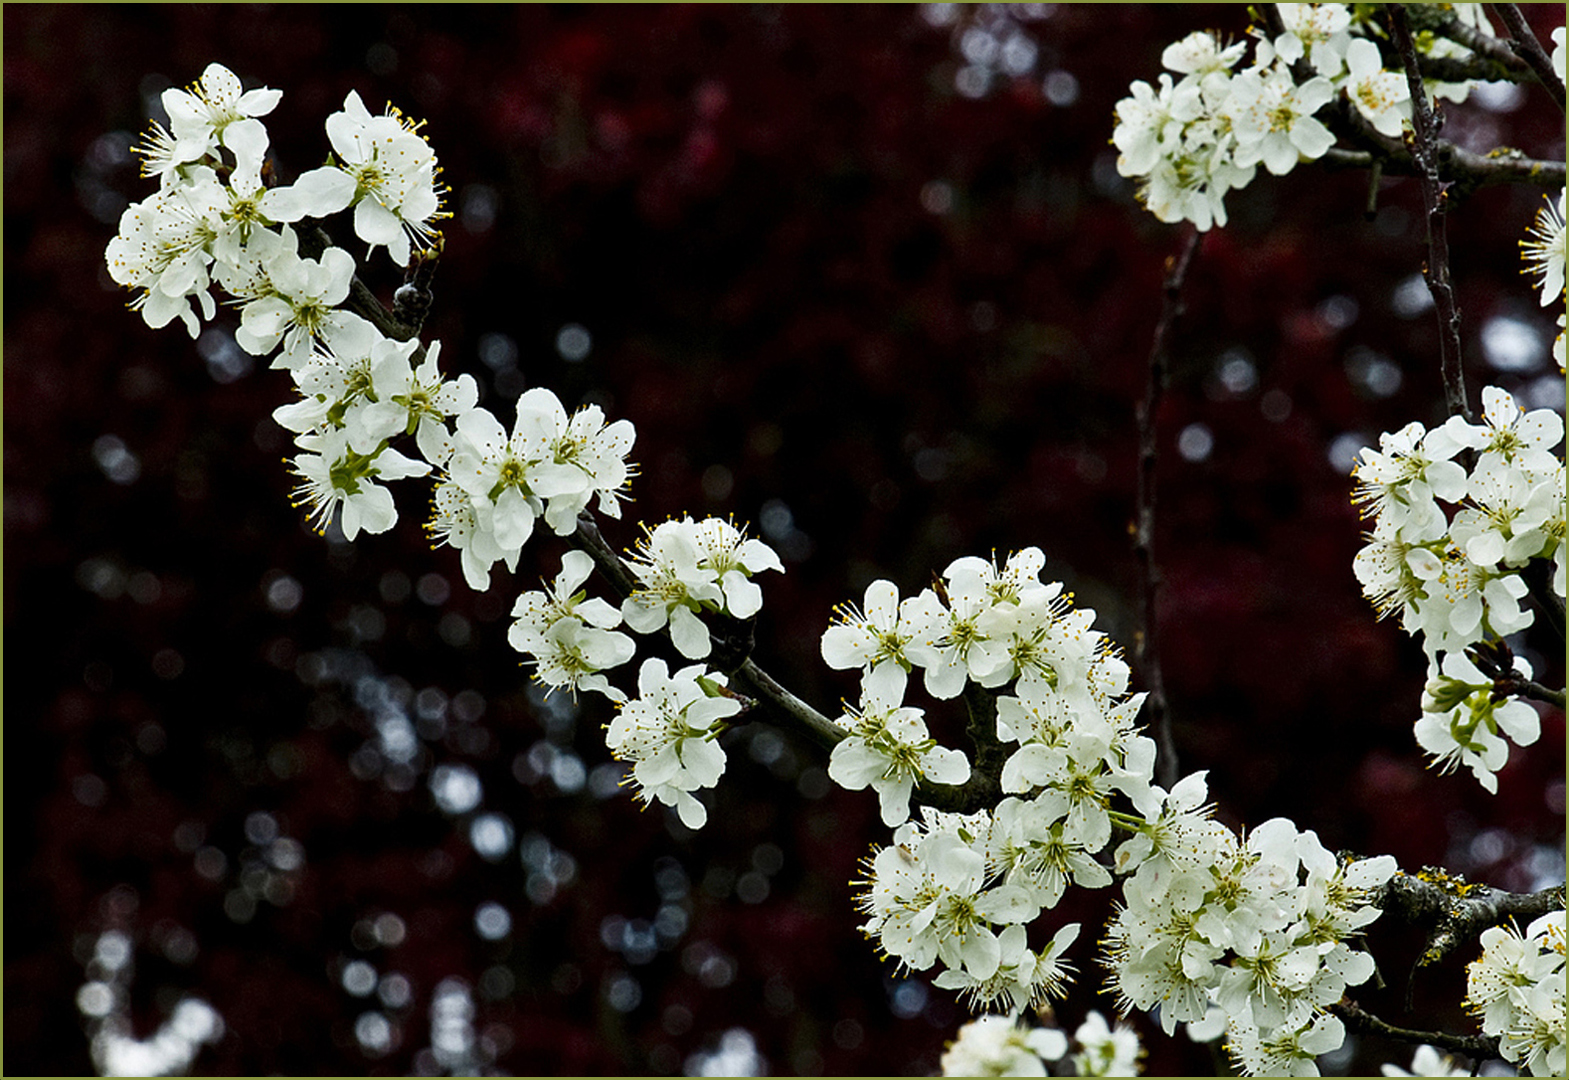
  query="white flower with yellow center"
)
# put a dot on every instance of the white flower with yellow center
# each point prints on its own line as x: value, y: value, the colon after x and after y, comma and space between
x: 215, y: 111
x: 888, y: 748
x: 670, y: 731
x: 385, y: 170
x: 1382, y: 97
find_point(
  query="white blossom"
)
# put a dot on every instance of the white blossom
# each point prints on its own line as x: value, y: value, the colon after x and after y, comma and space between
x: 1024, y: 977
x: 571, y: 637
x: 670, y: 733
x: 1544, y: 251
x: 215, y: 111
x: 1273, y: 118
x: 1382, y: 97
x: 1289, y: 1051
x: 999, y: 1046
x: 338, y: 474
x: 409, y: 400
x: 162, y: 248
x: 875, y: 638
x: 506, y: 476
x: 1427, y: 1061
x: 302, y: 307
x: 385, y: 170
x: 1104, y: 1050
x: 1516, y: 990
x: 1318, y: 31
x: 889, y: 749
x: 684, y: 567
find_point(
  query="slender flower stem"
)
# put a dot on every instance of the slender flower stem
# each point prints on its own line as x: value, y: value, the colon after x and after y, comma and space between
x: 1126, y: 822
x: 1525, y: 45
x: 1424, y: 148
x: 1145, y: 652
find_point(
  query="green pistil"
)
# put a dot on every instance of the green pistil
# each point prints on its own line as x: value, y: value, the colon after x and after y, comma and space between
x: 347, y: 474
x: 511, y: 476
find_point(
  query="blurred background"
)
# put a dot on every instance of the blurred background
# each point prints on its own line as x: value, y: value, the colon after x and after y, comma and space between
x: 865, y: 278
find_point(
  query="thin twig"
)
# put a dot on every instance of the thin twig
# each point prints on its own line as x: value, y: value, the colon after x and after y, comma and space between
x: 1146, y: 654
x: 1357, y: 1019
x: 1524, y: 44
x: 1529, y: 688
x: 1424, y: 147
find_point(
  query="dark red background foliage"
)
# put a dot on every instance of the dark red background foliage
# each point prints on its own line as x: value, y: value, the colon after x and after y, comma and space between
x: 730, y: 201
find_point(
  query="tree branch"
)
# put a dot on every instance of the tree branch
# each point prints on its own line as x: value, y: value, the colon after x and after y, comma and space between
x: 1524, y: 45
x: 798, y: 715
x: 1448, y: 24
x: 1356, y: 1019
x: 1424, y: 147
x: 1455, y: 911
x: 1145, y: 651
x: 1458, y: 69
x: 1463, y: 170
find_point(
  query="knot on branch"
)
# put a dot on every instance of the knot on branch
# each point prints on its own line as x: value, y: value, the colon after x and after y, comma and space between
x: 411, y: 303
x: 732, y: 640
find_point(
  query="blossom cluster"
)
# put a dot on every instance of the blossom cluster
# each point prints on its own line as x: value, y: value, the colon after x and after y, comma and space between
x: 685, y: 567
x: 1459, y: 513
x: 1209, y: 122
x: 497, y: 484
x: 993, y: 627
x: 935, y: 894
x: 993, y: 1045
x: 670, y: 733
x: 1516, y: 990
x: 962, y: 890
x: 1457, y: 578
x: 218, y: 223
x: 1259, y: 925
